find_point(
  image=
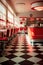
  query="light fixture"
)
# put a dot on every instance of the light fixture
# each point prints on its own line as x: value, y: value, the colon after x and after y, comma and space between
x: 20, y: 3
x: 38, y: 5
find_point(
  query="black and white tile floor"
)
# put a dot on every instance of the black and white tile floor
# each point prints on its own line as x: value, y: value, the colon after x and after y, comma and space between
x: 19, y: 52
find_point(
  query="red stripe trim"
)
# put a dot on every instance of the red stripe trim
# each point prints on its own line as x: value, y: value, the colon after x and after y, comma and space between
x: 33, y: 8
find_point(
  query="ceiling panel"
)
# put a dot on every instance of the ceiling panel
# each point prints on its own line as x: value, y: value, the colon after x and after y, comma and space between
x: 22, y: 6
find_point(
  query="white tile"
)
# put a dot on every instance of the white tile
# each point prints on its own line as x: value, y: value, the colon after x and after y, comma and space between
x: 10, y: 46
x: 18, y: 53
x: 17, y: 64
x: 32, y: 54
x: 0, y: 64
x: 18, y: 59
x: 20, y: 46
x: 40, y: 49
x: 34, y: 59
x: 19, y: 49
x: 41, y: 53
x: 8, y: 49
x: 2, y: 59
x: 37, y: 44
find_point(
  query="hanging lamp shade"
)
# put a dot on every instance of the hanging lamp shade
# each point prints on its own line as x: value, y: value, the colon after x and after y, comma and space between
x: 38, y: 5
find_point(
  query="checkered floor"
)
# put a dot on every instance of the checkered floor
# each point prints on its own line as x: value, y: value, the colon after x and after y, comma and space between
x: 19, y: 52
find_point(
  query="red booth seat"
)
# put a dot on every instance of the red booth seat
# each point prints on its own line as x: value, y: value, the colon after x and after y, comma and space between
x: 35, y: 33
x: 3, y: 38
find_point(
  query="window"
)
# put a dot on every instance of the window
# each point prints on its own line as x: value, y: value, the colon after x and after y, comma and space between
x: 2, y: 15
x: 10, y: 17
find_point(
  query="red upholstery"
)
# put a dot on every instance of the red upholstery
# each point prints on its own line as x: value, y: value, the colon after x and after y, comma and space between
x: 21, y: 28
x: 16, y: 30
x: 35, y: 33
x: 25, y: 28
x: 3, y: 38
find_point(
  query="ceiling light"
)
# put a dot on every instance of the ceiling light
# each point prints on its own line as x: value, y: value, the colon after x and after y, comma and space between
x: 38, y: 5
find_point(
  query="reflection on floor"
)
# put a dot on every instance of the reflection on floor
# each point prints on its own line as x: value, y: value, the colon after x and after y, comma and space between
x: 19, y: 52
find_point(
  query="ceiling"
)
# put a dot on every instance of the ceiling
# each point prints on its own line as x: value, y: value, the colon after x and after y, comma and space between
x: 22, y: 7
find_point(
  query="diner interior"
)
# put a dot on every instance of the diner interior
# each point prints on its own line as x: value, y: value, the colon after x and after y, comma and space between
x: 21, y: 32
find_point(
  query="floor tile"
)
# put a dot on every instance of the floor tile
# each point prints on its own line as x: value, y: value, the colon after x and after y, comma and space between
x: 3, y: 59
x: 9, y: 62
x: 40, y: 62
x: 22, y: 53
x: 32, y: 54
x: 34, y: 59
x: 18, y: 59
x: 25, y: 56
x: 11, y: 56
x: 26, y: 62
x: 18, y: 53
x: 39, y: 56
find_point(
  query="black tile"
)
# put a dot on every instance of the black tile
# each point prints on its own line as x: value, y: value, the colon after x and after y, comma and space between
x: 11, y: 56
x: 35, y: 47
x: 39, y: 56
x: 13, y: 51
x: 25, y: 51
x: 26, y: 62
x: 37, y: 51
x: 40, y: 62
x: 25, y: 56
x: 9, y: 62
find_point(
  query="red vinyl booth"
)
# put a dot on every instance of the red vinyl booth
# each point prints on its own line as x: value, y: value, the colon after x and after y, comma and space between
x: 35, y: 32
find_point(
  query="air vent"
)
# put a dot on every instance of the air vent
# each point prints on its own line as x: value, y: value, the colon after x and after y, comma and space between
x: 20, y: 3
